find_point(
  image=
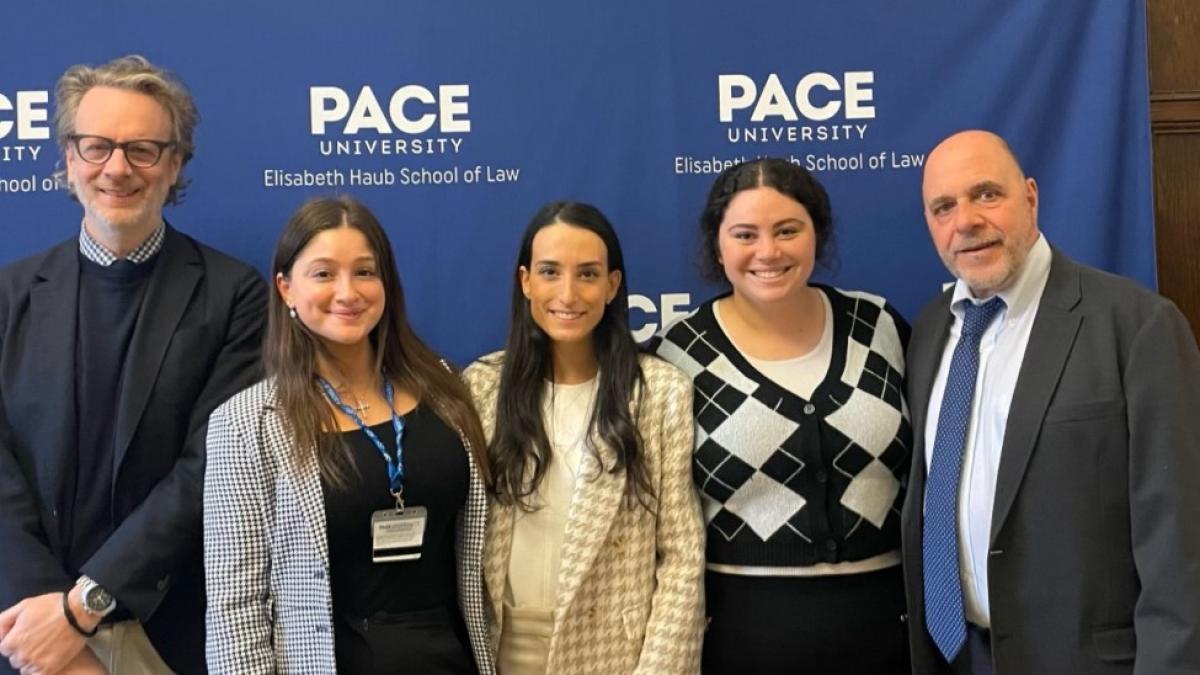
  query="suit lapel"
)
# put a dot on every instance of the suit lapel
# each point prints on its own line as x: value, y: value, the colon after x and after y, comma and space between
x: 176, y: 274
x: 924, y: 359
x: 1054, y: 330
x: 497, y: 550
x: 598, y: 494
x: 53, y: 310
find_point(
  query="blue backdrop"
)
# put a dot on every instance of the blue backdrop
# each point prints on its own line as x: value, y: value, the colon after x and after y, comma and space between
x: 464, y: 117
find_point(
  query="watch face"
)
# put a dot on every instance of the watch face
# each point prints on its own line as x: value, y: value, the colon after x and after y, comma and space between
x: 97, y: 599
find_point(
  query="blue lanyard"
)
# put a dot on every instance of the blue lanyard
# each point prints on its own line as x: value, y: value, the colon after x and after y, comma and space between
x: 395, y: 467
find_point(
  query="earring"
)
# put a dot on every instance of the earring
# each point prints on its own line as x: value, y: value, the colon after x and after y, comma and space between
x: 292, y: 312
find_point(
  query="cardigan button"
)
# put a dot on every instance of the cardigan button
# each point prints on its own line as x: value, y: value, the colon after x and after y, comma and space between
x: 809, y: 408
x: 822, y: 476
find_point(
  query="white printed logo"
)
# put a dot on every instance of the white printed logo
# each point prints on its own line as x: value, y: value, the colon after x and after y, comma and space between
x: 415, y: 120
x: 826, y: 107
x: 851, y: 97
x: 25, y: 115
x: 411, y: 109
x: 674, y: 305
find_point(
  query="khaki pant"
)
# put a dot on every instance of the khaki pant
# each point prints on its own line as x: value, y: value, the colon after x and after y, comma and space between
x: 124, y: 649
x: 525, y: 640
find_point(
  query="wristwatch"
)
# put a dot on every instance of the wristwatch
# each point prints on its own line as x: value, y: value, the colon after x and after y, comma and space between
x: 96, y: 600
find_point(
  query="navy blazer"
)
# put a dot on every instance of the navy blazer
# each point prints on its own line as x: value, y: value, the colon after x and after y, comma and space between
x: 196, y: 342
x: 1094, y: 560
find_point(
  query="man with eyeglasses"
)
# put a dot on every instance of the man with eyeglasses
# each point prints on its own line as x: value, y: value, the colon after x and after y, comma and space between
x: 114, y: 348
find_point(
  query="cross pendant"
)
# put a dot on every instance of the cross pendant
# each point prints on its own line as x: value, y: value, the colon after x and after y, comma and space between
x: 362, y: 408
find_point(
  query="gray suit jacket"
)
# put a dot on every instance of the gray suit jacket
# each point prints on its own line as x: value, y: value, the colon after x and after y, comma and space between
x: 266, y: 556
x: 1094, y: 564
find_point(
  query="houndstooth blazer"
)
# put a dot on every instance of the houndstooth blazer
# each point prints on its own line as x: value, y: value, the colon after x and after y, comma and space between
x: 266, y: 555
x: 630, y: 588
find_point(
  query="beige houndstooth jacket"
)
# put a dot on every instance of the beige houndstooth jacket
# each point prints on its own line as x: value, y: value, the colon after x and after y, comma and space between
x: 630, y: 589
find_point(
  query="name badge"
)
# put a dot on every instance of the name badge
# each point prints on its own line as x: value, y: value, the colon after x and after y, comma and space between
x: 397, y: 536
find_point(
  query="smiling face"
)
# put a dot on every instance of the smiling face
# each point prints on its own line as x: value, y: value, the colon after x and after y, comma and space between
x: 335, y: 288
x: 122, y: 203
x: 981, y: 210
x: 767, y: 245
x: 568, y: 282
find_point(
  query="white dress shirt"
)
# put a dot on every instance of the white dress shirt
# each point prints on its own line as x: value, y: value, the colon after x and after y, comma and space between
x: 1001, y: 352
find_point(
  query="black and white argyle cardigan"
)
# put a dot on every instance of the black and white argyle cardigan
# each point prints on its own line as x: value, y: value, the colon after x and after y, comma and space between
x: 266, y: 555
x: 788, y: 481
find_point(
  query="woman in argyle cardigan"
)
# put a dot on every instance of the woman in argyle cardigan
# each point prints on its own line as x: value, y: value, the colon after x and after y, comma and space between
x: 802, y: 439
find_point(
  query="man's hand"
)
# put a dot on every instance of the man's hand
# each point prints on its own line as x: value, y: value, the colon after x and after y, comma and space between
x: 36, y: 636
x: 85, y: 663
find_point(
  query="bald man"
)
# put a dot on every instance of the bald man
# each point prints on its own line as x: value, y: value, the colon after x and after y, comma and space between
x: 1052, y: 521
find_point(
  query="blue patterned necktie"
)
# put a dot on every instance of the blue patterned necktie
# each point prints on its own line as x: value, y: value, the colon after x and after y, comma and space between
x: 944, y: 616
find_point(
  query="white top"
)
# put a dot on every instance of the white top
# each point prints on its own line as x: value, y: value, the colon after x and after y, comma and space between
x: 801, y: 375
x: 538, y: 536
x: 1001, y: 352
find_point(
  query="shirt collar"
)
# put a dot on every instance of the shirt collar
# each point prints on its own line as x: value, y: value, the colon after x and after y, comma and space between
x: 99, y: 254
x: 1022, y: 293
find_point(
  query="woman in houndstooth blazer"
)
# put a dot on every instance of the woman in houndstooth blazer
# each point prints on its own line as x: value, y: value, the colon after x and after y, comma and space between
x: 594, y: 554
x: 357, y: 420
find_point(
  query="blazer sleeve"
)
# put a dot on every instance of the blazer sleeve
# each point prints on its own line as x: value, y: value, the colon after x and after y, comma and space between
x: 1162, y: 380
x: 136, y: 564
x: 28, y: 567
x: 676, y: 624
x: 237, y: 558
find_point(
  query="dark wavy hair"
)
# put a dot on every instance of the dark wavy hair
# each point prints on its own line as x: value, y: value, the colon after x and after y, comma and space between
x: 291, y: 350
x: 789, y: 179
x: 520, y: 449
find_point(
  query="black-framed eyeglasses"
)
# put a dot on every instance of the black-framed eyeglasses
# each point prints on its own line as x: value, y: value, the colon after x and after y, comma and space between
x: 142, y: 152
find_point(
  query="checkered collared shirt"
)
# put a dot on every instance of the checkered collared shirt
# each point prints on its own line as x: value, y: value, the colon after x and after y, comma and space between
x: 97, y: 253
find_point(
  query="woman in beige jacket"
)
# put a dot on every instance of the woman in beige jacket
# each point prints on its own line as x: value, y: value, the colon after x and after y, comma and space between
x: 594, y: 557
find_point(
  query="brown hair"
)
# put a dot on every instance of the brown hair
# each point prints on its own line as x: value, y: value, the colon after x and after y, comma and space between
x: 291, y: 350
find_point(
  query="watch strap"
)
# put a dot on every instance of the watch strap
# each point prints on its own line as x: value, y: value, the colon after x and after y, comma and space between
x: 66, y: 602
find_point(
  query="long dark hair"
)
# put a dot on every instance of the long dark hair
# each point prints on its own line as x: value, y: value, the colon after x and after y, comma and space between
x: 520, y: 449
x: 291, y: 350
